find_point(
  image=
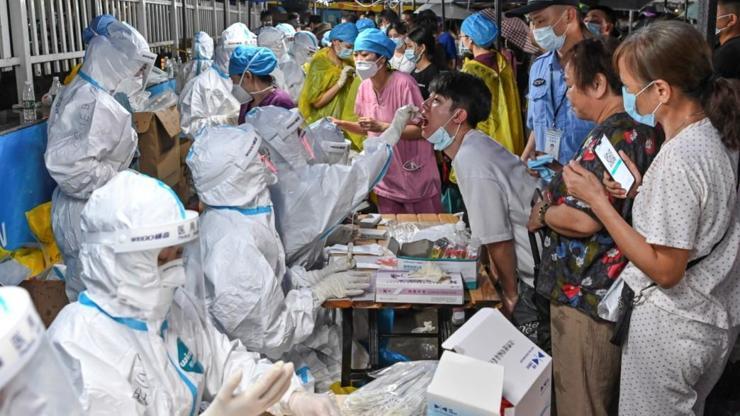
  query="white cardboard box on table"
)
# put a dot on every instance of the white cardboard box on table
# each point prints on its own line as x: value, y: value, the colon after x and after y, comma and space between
x: 490, y: 337
x: 394, y: 286
x: 465, y: 386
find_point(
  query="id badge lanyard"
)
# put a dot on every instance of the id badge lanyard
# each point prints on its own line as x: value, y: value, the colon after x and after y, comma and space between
x: 554, y: 135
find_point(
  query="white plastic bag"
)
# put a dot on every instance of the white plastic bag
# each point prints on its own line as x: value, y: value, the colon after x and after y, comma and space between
x: 399, y: 390
x: 610, y: 308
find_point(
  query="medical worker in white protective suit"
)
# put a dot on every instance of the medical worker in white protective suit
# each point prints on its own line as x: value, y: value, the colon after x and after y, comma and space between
x: 32, y: 379
x: 288, y: 75
x: 138, y: 340
x: 201, y: 62
x: 243, y: 257
x: 312, y: 196
x: 304, y: 46
x: 206, y: 100
x: 90, y: 134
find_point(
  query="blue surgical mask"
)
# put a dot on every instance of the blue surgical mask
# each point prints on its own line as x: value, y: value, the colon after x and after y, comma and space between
x: 398, y: 41
x: 547, y: 39
x: 411, y: 55
x: 441, y: 139
x: 344, y: 53
x: 630, y: 106
x: 594, y: 28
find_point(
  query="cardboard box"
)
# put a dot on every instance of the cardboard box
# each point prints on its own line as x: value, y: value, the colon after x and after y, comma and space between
x: 48, y: 297
x: 489, y: 336
x: 465, y: 386
x: 468, y: 268
x: 159, y: 144
x: 394, y: 286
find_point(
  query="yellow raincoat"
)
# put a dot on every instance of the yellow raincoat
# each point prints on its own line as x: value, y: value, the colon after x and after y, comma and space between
x: 504, y: 124
x: 322, y: 74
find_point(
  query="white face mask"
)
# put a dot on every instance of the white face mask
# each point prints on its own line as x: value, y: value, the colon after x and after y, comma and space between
x: 717, y: 31
x: 241, y: 95
x: 366, y: 69
x: 155, y: 301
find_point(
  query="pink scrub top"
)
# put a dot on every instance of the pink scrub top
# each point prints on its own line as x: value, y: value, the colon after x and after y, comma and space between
x: 413, y: 175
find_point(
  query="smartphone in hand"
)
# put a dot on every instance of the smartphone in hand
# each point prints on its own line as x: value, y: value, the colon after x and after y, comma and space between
x: 614, y: 164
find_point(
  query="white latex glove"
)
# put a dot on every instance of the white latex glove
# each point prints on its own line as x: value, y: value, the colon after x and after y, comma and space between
x: 393, y: 133
x: 255, y: 399
x: 344, y: 75
x: 302, y: 278
x: 341, y: 285
x: 309, y: 404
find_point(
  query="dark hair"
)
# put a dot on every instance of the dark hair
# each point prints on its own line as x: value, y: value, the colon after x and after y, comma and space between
x: 427, y: 19
x: 423, y: 36
x: 350, y: 17
x: 398, y: 26
x: 314, y: 19
x: 265, y: 13
x: 611, y: 17
x: 390, y: 16
x: 591, y: 57
x: 733, y: 5
x: 408, y: 12
x: 677, y: 53
x: 466, y: 91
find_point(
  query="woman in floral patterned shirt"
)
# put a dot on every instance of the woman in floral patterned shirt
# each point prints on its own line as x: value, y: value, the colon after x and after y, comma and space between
x: 580, y: 261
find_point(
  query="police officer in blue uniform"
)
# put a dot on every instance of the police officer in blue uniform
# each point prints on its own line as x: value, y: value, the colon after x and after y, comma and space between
x: 557, y: 26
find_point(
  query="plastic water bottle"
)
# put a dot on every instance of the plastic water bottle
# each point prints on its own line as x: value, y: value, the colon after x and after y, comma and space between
x: 56, y: 86
x: 29, y: 103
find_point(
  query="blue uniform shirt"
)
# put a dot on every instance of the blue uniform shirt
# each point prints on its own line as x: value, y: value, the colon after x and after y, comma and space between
x: 547, y: 91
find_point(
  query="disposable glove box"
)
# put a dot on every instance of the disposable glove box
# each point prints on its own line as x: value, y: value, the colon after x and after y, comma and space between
x: 395, y: 286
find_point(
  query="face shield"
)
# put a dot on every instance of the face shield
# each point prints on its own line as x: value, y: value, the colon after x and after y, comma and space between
x: 137, y: 252
x: 327, y: 142
x: 126, y: 226
x: 273, y: 39
x: 279, y: 129
x: 32, y: 379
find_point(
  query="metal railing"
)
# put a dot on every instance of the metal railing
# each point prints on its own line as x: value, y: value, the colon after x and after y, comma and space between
x: 44, y: 37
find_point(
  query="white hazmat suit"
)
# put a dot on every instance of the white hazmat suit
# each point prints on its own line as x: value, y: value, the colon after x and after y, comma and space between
x: 206, y: 100
x: 33, y: 381
x: 90, y: 135
x: 136, y: 341
x: 201, y: 62
x: 311, y: 198
x: 288, y: 75
x: 243, y: 257
x: 304, y: 46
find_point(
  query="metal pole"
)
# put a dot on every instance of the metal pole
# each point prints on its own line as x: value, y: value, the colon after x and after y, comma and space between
x: 173, y: 27
x: 708, y: 19
x: 249, y: 14
x: 631, y: 21
x: 21, y: 45
x: 686, y: 10
x: 443, y: 15
x: 500, y: 24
